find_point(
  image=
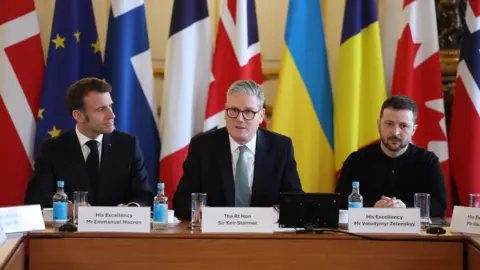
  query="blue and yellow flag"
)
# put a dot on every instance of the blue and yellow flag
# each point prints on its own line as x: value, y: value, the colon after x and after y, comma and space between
x: 74, y: 53
x: 360, y: 89
x: 304, y: 105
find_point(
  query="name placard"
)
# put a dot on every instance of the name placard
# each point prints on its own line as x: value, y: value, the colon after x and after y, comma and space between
x: 384, y: 220
x: 113, y: 219
x: 3, y: 237
x: 237, y: 220
x: 21, y: 218
x: 465, y: 220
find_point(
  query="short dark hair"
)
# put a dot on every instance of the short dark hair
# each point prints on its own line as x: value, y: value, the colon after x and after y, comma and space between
x: 77, y: 92
x: 400, y: 102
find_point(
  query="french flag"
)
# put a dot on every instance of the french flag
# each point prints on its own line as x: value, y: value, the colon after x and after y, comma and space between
x: 237, y: 57
x: 187, y: 77
x: 128, y: 66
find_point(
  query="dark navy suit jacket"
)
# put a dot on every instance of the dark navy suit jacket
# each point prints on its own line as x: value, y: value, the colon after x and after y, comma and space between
x: 208, y: 169
x: 123, y: 177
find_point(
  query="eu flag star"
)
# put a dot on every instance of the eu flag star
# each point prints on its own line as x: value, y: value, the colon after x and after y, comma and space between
x: 40, y: 113
x: 54, y: 132
x: 77, y: 36
x: 96, y: 46
x: 59, y: 41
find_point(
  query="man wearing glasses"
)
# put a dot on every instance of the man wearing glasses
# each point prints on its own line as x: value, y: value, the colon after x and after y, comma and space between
x: 240, y: 165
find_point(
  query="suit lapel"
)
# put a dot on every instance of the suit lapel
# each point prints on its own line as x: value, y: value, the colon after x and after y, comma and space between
x: 73, y: 152
x: 106, y: 158
x: 224, y: 158
x: 106, y: 147
x: 263, y: 165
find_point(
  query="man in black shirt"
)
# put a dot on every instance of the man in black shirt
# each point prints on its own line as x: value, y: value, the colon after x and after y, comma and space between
x: 391, y: 171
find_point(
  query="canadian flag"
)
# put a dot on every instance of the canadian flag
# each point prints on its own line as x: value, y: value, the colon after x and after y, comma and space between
x: 237, y: 57
x: 21, y: 74
x: 417, y: 74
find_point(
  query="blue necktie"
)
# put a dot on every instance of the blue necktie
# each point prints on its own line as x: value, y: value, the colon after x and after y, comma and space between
x: 242, y: 191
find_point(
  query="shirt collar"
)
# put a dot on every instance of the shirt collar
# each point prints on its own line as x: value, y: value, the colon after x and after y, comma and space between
x: 82, y: 139
x: 250, y: 145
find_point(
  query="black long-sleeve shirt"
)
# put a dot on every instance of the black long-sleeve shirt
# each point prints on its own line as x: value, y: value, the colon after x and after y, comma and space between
x: 415, y: 171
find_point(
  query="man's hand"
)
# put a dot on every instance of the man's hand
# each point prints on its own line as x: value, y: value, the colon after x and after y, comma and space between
x: 387, y: 202
x: 398, y: 204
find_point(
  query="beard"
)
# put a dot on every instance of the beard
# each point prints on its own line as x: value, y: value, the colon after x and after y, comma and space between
x: 395, y: 149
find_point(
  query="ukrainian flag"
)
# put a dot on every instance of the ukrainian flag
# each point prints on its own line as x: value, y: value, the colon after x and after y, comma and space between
x: 304, y: 104
x: 360, y: 89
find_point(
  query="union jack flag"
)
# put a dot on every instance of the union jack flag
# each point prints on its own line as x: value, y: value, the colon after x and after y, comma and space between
x: 237, y: 56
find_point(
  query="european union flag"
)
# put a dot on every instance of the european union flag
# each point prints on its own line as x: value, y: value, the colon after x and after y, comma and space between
x: 74, y: 53
x: 128, y: 66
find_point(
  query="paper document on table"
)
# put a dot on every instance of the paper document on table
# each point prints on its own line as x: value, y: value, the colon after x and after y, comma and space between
x: 3, y: 237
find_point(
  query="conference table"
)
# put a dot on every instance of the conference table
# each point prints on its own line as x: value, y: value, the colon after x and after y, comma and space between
x: 12, y: 253
x: 473, y: 253
x: 178, y: 247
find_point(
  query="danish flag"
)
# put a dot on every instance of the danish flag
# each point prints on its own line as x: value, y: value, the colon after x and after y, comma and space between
x: 465, y: 122
x: 237, y: 57
x: 21, y: 74
x: 417, y: 74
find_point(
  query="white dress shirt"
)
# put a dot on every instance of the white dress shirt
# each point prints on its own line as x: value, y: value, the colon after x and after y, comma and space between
x: 249, y: 156
x: 82, y: 139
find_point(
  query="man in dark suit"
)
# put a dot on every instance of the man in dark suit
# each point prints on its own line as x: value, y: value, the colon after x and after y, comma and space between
x: 240, y: 165
x: 93, y: 157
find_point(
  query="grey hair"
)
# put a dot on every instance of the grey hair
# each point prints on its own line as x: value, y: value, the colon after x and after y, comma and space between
x: 249, y: 87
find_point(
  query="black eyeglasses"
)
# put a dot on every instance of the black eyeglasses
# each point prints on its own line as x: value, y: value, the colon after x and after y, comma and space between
x: 247, y: 114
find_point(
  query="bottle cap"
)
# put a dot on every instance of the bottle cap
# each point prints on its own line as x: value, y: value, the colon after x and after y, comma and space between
x: 161, y: 185
x: 355, y: 183
x: 60, y: 183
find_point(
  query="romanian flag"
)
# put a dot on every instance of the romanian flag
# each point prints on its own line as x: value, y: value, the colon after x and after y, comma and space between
x: 304, y: 104
x: 360, y: 89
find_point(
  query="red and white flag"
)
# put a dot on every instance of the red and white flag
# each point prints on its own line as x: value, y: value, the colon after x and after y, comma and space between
x: 417, y: 74
x: 465, y: 121
x: 21, y: 74
x: 187, y: 76
x: 237, y: 56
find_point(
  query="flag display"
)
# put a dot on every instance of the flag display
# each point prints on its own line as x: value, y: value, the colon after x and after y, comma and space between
x: 417, y: 74
x: 237, y: 57
x: 74, y: 53
x: 304, y: 105
x: 465, y: 122
x: 128, y: 66
x: 360, y: 89
x: 21, y: 74
x: 187, y: 76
